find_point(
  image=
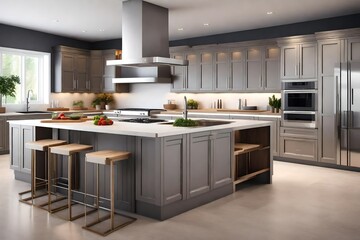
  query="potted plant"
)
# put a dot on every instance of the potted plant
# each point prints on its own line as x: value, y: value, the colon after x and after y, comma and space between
x: 7, y: 88
x: 192, y: 104
x: 78, y: 105
x: 96, y: 103
x: 275, y: 104
x: 106, y: 99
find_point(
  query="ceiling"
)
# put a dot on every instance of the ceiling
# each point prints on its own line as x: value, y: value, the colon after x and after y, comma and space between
x: 96, y: 20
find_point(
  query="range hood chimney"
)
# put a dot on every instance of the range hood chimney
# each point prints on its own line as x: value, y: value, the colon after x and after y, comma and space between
x: 145, y: 44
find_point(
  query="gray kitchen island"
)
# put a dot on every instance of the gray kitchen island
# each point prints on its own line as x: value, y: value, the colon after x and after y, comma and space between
x: 171, y: 170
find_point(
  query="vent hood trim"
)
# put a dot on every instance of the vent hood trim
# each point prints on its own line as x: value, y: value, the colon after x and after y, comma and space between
x: 148, y: 62
x: 141, y: 80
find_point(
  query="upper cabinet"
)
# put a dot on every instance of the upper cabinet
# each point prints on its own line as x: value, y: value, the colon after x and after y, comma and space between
x: 71, y: 70
x: 78, y: 70
x: 227, y: 69
x: 298, y: 58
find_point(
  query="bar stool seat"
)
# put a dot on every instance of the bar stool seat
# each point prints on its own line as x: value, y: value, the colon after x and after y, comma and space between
x: 43, y: 146
x: 107, y: 157
x: 68, y: 150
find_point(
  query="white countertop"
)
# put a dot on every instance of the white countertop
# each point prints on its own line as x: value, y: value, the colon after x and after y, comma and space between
x: 143, y: 130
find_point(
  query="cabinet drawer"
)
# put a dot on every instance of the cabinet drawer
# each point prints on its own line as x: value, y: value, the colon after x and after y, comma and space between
x: 304, y: 149
x: 307, y: 133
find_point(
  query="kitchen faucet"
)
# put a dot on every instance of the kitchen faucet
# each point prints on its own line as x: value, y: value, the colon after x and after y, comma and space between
x: 185, y: 113
x: 28, y: 99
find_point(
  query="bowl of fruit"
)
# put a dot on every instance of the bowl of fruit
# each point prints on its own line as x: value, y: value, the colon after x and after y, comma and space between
x: 102, y: 120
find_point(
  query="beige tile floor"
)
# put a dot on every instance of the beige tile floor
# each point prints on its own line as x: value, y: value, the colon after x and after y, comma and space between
x: 303, y: 202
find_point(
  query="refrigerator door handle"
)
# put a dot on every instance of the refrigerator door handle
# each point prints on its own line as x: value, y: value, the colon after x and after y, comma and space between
x: 352, y: 96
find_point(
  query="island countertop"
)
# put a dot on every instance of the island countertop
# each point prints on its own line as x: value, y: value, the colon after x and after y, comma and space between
x: 143, y: 130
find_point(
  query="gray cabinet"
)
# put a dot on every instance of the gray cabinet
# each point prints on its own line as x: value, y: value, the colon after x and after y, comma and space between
x: 178, y: 74
x: 298, y: 143
x: 262, y: 68
x: 222, y: 71
x: 174, y: 172
x: 206, y: 70
x: 329, y: 55
x: 192, y: 73
x: 237, y: 69
x: 221, y: 159
x: 271, y: 74
x: 299, y: 61
x: 71, y: 70
x: 274, y: 134
x: 20, y: 156
x: 254, y: 68
x: 353, y: 49
x: 209, y: 161
x: 102, y: 75
x: 199, y: 164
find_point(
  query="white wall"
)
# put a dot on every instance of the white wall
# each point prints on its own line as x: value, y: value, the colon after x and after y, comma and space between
x: 154, y: 96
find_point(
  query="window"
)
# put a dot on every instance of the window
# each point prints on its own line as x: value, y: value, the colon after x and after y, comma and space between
x: 33, y: 68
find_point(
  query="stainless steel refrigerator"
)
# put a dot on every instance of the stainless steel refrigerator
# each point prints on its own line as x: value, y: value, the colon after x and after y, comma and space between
x: 347, y: 110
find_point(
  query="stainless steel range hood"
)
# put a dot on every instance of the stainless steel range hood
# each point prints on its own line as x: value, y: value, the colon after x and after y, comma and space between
x: 145, y: 44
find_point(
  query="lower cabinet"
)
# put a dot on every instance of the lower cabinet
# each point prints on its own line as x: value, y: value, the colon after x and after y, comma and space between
x: 190, y: 164
x: 19, y: 155
x: 298, y: 143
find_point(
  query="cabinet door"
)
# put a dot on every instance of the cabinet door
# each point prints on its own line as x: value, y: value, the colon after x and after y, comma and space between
x: 289, y: 62
x: 173, y: 167
x: 178, y: 74
x: 26, y: 135
x: 192, y: 72
x: 308, y: 61
x: 237, y: 69
x: 96, y: 73
x: 275, y: 133
x: 222, y: 70
x: 354, y: 49
x: 206, y: 71
x: 271, y: 78
x: 68, y: 83
x: 253, y: 69
x: 15, y: 147
x: 198, y: 164
x: 222, y: 155
x: 329, y: 55
x: 82, y: 80
x: 304, y: 149
x: 3, y: 135
x: 109, y: 74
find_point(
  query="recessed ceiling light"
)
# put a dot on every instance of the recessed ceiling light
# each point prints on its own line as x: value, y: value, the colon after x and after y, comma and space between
x: 84, y: 31
x: 101, y: 30
x: 56, y: 20
x: 269, y: 13
x: 206, y: 24
x: 180, y: 29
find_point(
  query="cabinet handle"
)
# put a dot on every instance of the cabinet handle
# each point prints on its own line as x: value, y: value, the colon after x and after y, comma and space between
x: 74, y: 86
x: 296, y: 70
x: 352, y: 96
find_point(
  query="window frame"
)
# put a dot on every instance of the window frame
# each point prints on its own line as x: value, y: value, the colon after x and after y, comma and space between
x: 44, y: 72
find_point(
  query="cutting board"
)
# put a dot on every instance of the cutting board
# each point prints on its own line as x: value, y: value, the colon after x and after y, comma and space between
x: 65, y: 120
x: 57, y: 109
x: 239, y: 110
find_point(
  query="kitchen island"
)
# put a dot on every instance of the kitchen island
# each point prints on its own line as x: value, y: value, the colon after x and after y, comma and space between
x: 171, y: 170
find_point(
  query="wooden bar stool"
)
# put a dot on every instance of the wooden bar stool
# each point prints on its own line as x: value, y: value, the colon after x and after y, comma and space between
x: 106, y: 157
x: 43, y: 146
x: 68, y: 150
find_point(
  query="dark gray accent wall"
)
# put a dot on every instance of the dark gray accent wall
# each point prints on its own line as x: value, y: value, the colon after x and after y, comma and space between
x: 21, y: 38
x: 107, y: 44
x: 302, y: 28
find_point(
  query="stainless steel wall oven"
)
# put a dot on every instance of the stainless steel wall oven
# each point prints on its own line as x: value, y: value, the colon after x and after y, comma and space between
x: 299, y: 101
